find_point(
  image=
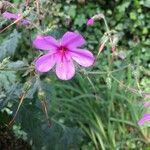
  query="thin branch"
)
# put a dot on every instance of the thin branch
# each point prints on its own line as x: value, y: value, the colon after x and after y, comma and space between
x: 44, y: 105
x: 14, y: 117
x: 16, y: 21
x: 142, y: 93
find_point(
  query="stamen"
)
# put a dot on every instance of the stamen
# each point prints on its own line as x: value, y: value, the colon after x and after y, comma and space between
x: 62, y: 49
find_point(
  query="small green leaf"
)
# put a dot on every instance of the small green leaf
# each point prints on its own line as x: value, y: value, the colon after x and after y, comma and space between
x: 71, y: 10
x: 80, y: 20
x: 147, y: 3
x: 133, y: 16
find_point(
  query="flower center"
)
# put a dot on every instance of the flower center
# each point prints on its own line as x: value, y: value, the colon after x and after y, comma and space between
x: 62, y: 49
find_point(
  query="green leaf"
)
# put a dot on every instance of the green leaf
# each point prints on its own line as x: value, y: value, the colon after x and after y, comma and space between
x: 47, y: 89
x: 80, y: 20
x: 71, y: 10
x: 33, y: 88
x: 71, y: 137
x: 123, y: 6
x: 17, y: 64
x: 133, y: 16
x: 9, y: 45
x: 147, y: 3
x: 7, y: 78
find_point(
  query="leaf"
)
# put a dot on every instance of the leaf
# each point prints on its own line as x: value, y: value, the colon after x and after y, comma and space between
x: 147, y: 3
x: 33, y: 88
x: 72, y: 137
x: 80, y: 20
x: 133, y: 16
x: 12, y: 93
x: 31, y: 122
x: 17, y: 64
x: 123, y: 6
x: 58, y: 136
x: 2, y: 100
x: 7, y: 78
x: 9, y: 45
x: 47, y: 89
x: 71, y: 10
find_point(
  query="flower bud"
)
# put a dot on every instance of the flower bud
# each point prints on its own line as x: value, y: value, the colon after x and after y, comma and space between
x: 101, y: 47
x: 90, y: 22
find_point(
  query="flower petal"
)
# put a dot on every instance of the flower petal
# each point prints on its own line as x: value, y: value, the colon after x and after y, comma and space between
x: 12, y: 16
x: 9, y: 15
x: 82, y: 56
x: 65, y: 69
x: 144, y: 119
x: 45, y: 62
x: 72, y: 39
x: 45, y: 43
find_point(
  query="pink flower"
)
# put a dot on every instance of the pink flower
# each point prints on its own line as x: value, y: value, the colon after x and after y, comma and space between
x: 90, y: 22
x: 144, y: 119
x: 14, y: 17
x: 62, y: 54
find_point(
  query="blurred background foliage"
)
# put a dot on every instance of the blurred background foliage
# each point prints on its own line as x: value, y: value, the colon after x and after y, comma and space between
x: 99, y: 108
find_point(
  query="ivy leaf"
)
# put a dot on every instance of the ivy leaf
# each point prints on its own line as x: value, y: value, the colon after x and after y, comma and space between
x: 9, y: 45
x: 123, y: 6
x: 80, y: 20
x: 71, y: 10
x: 147, y: 3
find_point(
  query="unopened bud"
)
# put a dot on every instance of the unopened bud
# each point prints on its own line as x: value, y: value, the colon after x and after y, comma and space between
x: 41, y: 94
x: 122, y: 55
x: 67, y: 21
x: 115, y: 40
x: 101, y: 48
x: 108, y: 82
x: 113, y: 48
x: 90, y: 22
x: 98, y: 16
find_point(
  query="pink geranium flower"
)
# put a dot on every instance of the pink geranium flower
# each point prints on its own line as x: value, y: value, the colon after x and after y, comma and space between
x: 144, y: 119
x: 62, y: 53
x: 14, y: 17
